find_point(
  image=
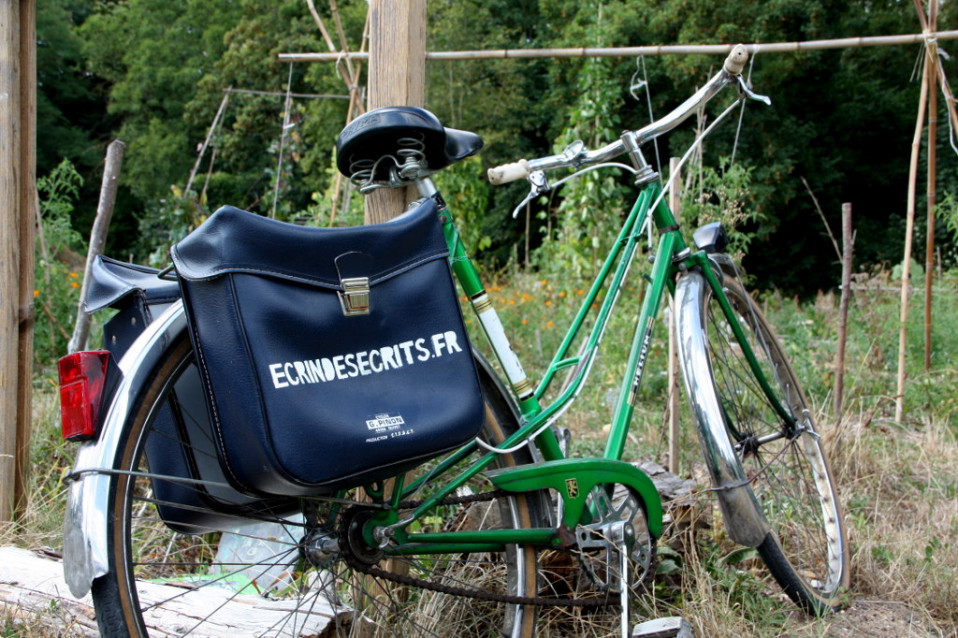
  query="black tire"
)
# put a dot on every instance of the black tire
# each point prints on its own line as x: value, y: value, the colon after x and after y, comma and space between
x: 787, y: 471
x: 155, y: 568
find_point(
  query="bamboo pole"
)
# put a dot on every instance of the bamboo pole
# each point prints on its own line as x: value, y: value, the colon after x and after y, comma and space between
x: 652, y: 50
x: 931, y: 68
x: 206, y: 142
x: 351, y: 73
x: 101, y: 224
x: 906, y: 261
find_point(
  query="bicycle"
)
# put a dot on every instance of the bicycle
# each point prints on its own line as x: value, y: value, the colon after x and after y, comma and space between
x: 500, y: 537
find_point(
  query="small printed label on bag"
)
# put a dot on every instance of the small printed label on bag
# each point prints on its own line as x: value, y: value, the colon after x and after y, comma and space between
x: 360, y: 364
x: 386, y: 427
x: 385, y: 421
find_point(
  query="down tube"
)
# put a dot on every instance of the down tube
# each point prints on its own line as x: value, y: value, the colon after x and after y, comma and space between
x: 639, y: 352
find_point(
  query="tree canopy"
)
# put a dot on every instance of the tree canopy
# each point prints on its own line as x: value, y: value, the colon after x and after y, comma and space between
x: 154, y: 72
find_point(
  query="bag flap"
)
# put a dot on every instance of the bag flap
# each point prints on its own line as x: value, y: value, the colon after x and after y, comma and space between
x: 233, y: 240
x: 111, y: 281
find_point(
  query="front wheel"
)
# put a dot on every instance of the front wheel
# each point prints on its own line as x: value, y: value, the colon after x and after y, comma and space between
x: 769, y: 469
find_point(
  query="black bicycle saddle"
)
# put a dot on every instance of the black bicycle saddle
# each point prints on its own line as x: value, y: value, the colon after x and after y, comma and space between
x: 396, y: 131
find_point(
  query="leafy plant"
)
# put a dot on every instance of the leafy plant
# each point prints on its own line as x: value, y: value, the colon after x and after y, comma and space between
x: 583, y: 231
x: 59, y: 263
x: 722, y: 194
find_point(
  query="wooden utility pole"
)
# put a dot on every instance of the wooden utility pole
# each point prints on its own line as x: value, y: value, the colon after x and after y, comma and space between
x: 18, y: 211
x: 397, y: 72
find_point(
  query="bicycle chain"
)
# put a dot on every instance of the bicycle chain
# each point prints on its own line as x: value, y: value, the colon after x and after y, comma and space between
x: 479, y: 594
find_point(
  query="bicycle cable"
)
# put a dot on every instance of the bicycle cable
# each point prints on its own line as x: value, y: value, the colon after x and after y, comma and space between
x: 646, y: 226
x: 741, y: 115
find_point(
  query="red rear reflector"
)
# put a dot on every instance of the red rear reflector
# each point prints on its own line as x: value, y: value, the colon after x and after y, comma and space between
x: 82, y: 379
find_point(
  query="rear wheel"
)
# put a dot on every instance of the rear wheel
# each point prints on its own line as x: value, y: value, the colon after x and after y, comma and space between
x: 781, y: 461
x: 200, y: 559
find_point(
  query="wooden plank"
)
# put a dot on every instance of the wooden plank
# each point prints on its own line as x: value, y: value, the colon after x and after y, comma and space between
x: 397, y: 71
x: 671, y: 627
x: 34, y: 594
x: 225, y: 614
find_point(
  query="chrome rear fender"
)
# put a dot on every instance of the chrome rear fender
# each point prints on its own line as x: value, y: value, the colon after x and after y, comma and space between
x: 85, y: 548
x: 743, y: 515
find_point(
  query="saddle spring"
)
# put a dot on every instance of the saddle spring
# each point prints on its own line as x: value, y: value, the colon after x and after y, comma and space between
x: 409, y: 159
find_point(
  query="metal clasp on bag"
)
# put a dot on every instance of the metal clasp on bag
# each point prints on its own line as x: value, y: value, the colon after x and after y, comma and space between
x: 354, y: 297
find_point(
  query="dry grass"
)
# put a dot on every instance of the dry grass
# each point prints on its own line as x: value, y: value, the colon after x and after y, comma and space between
x: 898, y: 483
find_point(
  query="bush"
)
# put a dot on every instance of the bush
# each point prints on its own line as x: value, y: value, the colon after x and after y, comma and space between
x: 59, y: 264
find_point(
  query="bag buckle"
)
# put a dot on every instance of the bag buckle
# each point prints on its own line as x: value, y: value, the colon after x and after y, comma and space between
x: 354, y: 297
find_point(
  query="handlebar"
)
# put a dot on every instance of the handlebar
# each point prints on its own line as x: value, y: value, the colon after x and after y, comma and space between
x: 577, y: 156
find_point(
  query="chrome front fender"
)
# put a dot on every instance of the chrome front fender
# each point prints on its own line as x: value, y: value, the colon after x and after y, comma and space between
x: 85, y: 544
x: 741, y: 511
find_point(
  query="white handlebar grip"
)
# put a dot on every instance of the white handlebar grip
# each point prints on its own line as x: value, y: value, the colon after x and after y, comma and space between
x: 508, y: 172
x: 735, y: 62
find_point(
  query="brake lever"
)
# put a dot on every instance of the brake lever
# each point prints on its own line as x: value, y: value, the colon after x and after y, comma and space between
x: 749, y: 93
x: 539, y: 185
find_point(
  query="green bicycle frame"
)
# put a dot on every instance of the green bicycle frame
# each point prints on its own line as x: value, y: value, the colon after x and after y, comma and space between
x: 671, y: 256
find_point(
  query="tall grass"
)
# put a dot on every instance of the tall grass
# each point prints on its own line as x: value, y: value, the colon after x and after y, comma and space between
x: 897, y: 480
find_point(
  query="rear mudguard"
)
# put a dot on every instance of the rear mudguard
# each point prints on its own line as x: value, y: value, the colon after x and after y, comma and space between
x: 85, y: 551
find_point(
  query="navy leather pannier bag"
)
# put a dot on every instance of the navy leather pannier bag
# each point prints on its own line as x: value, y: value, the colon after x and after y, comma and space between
x: 333, y: 356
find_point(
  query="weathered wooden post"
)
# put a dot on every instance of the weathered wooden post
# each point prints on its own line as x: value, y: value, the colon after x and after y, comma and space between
x: 17, y: 208
x: 101, y: 225
x: 675, y: 203
x: 848, y: 249
x: 397, y: 71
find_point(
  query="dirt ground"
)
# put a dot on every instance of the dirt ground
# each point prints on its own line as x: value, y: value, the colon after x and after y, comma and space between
x: 878, y: 618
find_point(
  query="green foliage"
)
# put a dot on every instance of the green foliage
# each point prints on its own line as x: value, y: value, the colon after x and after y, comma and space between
x: 722, y: 194
x: 467, y: 196
x: 585, y: 220
x: 153, y: 52
x: 58, y: 274
x: 339, y: 205
x: 153, y: 72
